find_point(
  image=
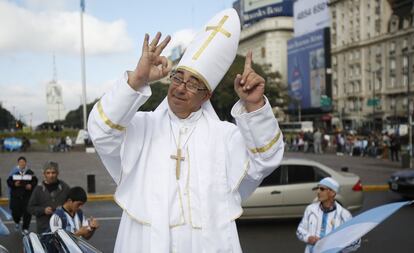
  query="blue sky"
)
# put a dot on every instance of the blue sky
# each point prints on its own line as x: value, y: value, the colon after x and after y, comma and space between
x: 33, y: 30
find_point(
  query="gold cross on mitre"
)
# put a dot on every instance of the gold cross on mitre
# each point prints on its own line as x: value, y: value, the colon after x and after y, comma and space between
x: 178, y: 158
x: 216, y: 29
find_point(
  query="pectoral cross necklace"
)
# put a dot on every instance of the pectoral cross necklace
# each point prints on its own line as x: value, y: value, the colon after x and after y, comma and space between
x: 178, y: 157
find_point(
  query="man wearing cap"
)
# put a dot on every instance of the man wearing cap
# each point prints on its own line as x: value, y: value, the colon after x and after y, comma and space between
x: 323, y: 216
x: 47, y: 196
x: 181, y: 173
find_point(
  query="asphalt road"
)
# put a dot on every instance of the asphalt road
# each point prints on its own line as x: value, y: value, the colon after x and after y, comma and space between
x: 394, y: 235
x: 75, y: 166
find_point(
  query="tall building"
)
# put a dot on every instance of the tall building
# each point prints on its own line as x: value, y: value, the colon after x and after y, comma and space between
x: 54, y: 99
x: 266, y: 28
x: 268, y: 40
x: 372, y: 44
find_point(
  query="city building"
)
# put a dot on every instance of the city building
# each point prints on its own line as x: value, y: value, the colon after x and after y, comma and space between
x: 372, y: 46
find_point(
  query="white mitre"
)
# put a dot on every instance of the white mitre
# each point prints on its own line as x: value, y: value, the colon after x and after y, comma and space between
x: 210, y: 54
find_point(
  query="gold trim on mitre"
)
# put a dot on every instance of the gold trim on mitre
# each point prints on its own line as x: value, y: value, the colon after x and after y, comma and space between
x: 266, y: 147
x: 197, y: 75
x: 107, y: 120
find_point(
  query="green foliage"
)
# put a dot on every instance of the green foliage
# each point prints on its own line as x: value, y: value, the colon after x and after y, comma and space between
x: 74, y: 119
x: 7, y: 120
x: 224, y: 96
x: 159, y: 92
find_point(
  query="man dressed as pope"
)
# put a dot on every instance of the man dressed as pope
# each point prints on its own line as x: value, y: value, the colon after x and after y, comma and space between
x: 181, y: 173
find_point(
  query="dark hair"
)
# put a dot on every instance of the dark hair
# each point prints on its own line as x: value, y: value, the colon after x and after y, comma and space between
x: 51, y: 165
x: 21, y: 158
x: 77, y: 193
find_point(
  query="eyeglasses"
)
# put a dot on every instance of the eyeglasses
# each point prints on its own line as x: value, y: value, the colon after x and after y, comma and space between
x: 322, y: 189
x: 190, y: 85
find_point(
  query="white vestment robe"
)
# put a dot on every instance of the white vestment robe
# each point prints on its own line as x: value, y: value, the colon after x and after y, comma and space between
x: 223, y: 164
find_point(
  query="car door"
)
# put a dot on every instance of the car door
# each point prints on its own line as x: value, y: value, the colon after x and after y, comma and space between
x: 266, y: 200
x: 299, y: 190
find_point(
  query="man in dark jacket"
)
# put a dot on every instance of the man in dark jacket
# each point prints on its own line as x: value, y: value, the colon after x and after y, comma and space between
x: 21, y: 183
x: 47, y: 196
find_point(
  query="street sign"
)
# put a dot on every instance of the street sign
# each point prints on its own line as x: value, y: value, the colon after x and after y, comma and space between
x: 326, y: 101
x: 373, y: 102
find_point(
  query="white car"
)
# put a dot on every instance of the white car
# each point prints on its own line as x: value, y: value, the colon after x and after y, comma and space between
x: 290, y: 188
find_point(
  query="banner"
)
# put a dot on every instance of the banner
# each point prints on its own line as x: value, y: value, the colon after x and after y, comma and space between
x: 310, y: 15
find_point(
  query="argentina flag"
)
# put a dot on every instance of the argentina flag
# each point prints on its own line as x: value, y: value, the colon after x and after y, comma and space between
x: 3, y: 229
x: 355, y: 228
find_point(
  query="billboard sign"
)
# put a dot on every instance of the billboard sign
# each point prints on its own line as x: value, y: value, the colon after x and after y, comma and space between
x: 310, y: 15
x: 308, y: 60
x: 255, y: 10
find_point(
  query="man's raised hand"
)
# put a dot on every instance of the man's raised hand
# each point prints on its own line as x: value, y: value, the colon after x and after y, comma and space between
x: 250, y: 86
x: 151, y: 66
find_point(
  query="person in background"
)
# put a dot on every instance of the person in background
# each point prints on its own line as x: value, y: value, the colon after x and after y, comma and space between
x: 47, y: 196
x: 322, y: 217
x: 21, y: 182
x: 70, y: 216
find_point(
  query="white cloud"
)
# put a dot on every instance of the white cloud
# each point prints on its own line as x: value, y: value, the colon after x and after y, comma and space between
x: 24, y: 30
x: 180, y: 38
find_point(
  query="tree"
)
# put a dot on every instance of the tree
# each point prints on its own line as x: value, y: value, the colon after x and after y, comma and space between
x: 7, y: 120
x: 74, y: 118
x: 224, y: 97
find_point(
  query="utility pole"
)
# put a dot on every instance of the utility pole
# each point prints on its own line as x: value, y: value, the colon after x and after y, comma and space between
x: 83, y: 64
x: 410, y: 106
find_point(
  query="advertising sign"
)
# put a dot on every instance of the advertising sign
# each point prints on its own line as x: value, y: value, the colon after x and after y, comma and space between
x: 255, y: 10
x: 308, y: 59
x: 310, y: 15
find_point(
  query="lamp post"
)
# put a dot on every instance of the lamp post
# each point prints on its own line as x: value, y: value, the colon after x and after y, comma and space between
x: 83, y: 65
x: 408, y: 54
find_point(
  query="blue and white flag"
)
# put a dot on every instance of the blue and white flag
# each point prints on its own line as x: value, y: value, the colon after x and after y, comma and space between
x: 355, y: 228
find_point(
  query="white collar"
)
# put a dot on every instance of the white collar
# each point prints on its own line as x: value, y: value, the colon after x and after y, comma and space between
x: 190, y: 120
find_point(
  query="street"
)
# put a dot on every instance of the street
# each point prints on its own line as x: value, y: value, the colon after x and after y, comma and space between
x: 255, y: 236
x: 262, y: 236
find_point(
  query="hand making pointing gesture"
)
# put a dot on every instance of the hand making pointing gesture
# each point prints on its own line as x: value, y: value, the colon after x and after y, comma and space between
x: 151, y: 66
x: 250, y: 86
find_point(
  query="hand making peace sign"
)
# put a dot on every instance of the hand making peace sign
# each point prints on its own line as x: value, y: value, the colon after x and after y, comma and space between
x: 151, y: 66
x: 250, y: 86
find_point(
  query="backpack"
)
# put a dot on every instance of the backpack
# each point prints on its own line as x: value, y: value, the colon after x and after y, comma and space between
x: 61, y: 213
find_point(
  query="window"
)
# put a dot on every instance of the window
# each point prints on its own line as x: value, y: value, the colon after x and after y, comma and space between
x: 405, y: 80
x: 273, y: 179
x: 404, y: 44
x: 300, y: 174
x: 392, y: 47
x: 392, y: 81
x: 263, y: 51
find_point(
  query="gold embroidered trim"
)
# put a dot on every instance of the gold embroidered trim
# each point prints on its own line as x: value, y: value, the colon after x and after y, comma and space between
x: 196, y: 74
x: 266, y: 147
x: 107, y: 120
x: 238, y: 215
x: 246, y: 167
x: 187, y: 186
x: 216, y: 29
x: 130, y: 215
x: 181, y: 207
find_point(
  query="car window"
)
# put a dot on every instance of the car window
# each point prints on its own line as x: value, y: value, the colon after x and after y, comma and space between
x: 320, y: 174
x: 273, y: 179
x: 300, y: 174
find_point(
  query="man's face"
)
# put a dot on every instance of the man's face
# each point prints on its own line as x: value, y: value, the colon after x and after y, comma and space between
x: 183, y: 101
x: 50, y: 176
x: 325, y: 193
x: 21, y: 163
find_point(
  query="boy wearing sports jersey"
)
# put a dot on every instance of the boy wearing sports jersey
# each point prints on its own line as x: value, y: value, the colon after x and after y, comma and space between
x: 70, y: 216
